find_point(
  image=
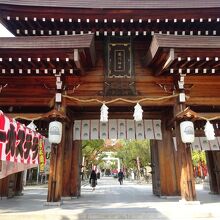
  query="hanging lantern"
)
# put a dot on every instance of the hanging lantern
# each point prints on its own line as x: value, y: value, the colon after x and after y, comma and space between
x: 55, y: 132
x: 187, y: 131
x: 209, y: 131
x: 32, y: 126
x: 104, y: 113
x: 138, y: 112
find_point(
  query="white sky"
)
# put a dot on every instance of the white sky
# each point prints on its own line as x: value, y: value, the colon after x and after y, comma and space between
x: 4, y: 32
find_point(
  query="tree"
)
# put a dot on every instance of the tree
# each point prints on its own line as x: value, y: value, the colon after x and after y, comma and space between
x: 198, y: 157
x: 92, y: 152
x: 135, y: 154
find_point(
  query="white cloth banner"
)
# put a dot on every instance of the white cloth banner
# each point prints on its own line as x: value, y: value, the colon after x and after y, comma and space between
x: 77, y: 130
x: 94, y: 129
x: 214, y: 144
x: 103, y: 130
x: 196, y: 144
x: 148, y: 128
x: 157, y: 129
x: 85, y: 135
x: 121, y: 129
x: 130, y: 129
x: 204, y: 143
x: 201, y: 143
x: 139, y: 130
x: 117, y: 129
x: 113, y: 129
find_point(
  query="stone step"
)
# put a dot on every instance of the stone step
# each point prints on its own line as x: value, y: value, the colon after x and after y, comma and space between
x: 106, y: 215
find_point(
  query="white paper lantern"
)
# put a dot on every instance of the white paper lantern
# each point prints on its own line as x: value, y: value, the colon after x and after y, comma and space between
x: 55, y: 132
x: 187, y: 132
x: 209, y: 131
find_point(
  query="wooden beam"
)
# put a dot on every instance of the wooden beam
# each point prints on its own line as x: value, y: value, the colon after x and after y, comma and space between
x: 170, y: 59
x: 76, y: 58
x: 203, y: 101
x: 163, y: 58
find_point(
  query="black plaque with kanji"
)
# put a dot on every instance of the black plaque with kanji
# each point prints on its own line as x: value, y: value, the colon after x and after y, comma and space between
x: 119, y: 60
x: 119, y: 76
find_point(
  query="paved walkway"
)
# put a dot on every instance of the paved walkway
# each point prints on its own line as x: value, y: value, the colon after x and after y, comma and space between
x: 110, y: 201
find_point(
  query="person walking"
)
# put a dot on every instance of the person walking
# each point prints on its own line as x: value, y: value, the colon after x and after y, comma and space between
x: 93, y: 179
x: 120, y: 177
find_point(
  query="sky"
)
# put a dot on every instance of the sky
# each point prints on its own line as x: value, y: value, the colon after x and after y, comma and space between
x: 4, y: 32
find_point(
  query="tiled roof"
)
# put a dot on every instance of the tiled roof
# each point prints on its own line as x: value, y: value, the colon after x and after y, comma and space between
x: 73, y: 41
x: 187, y: 41
x: 120, y: 4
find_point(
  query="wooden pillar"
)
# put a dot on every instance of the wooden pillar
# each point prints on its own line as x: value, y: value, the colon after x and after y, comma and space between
x: 19, y: 183
x: 56, y: 167
x: 155, y: 168
x: 4, y: 186
x: 75, y: 180
x: 56, y: 170
x: 168, y: 170
x: 185, y: 167
x: 67, y: 162
x: 55, y: 184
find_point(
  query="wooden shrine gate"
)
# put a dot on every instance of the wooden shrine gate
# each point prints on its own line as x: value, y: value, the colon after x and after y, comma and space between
x: 68, y: 58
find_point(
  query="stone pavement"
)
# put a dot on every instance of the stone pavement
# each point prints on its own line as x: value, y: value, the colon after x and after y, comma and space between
x: 110, y: 201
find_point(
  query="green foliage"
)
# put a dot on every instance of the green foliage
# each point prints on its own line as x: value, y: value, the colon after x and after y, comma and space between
x: 133, y: 149
x: 197, y: 157
x: 127, y: 151
x: 93, y: 150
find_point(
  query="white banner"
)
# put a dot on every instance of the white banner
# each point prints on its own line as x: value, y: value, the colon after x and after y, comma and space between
x: 204, y: 143
x: 85, y: 135
x: 113, y: 129
x: 148, y: 128
x: 196, y: 144
x: 77, y: 130
x: 103, y: 130
x: 157, y: 129
x: 139, y: 130
x: 94, y: 129
x: 214, y: 144
x: 201, y: 143
x: 121, y: 129
x: 130, y: 129
x: 117, y: 129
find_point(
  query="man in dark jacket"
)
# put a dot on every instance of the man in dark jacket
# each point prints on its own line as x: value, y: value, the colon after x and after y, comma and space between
x: 120, y: 177
x: 93, y: 179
